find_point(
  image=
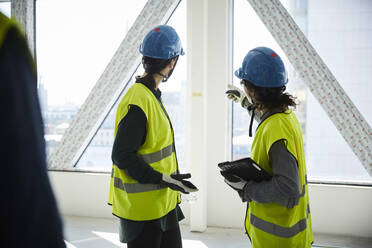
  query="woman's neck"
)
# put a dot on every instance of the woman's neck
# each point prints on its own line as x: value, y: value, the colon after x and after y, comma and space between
x: 158, y: 79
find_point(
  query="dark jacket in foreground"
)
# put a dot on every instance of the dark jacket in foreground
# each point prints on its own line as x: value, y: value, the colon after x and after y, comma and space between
x: 28, y: 210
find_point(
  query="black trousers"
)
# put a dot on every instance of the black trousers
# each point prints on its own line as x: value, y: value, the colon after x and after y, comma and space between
x: 153, y: 237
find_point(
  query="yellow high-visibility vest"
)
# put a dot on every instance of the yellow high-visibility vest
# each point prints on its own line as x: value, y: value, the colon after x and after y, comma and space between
x: 5, y: 25
x: 129, y: 198
x: 272, y: 225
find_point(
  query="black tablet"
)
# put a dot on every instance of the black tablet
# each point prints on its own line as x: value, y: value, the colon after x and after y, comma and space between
x: 245, y: 168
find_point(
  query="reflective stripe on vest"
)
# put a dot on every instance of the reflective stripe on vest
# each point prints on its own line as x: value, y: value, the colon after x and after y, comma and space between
x: 283, y: 232
x: 136, y: 187
x: 159, y: 155
x: 148, y: 158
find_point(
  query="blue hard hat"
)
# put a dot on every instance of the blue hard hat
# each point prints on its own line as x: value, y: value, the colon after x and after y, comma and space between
x: 162, y: 42
x: 263, y: 68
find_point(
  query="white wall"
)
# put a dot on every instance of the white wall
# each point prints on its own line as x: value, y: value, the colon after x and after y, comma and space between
x: 343, y: 210
x: 86, y: 194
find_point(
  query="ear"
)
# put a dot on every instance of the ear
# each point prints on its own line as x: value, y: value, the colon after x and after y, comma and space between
x: 171, y: 63
x: 247, y: 91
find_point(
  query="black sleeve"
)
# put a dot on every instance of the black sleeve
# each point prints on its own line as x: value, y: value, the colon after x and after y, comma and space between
x: 130, y: 135
x: 28, y: 210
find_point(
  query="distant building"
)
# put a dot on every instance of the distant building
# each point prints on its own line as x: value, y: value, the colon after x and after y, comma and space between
x: 104, y: 137
x: 43, y: 97
x: 56, y: 115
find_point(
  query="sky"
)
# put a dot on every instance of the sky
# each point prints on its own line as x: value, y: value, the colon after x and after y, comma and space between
x: 73, y: 52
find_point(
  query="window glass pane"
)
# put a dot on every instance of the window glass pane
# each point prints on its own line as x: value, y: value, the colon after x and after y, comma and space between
x: 174, y: 91
x: 5, y: 8
x: 250, y: 32
x: 341, y: 35
x: 73, y: 52
x: 97, y: 156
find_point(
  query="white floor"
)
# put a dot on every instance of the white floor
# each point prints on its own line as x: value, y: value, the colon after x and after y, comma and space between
x: 82, y: 232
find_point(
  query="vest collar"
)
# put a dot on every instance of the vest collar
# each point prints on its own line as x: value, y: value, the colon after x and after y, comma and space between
x: 157, y: 93
x: 268, y: 114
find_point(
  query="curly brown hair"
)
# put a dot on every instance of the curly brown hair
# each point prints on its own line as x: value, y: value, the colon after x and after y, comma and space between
x: 269, y: 98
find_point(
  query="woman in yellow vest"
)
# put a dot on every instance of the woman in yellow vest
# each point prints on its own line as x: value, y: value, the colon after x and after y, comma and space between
x: 278, y: 213
x: 145, y: 181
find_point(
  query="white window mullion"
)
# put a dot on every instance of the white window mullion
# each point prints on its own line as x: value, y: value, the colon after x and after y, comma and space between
x: 24, y: 12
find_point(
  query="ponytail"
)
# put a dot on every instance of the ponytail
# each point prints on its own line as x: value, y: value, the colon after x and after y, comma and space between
x: 152, y: 66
